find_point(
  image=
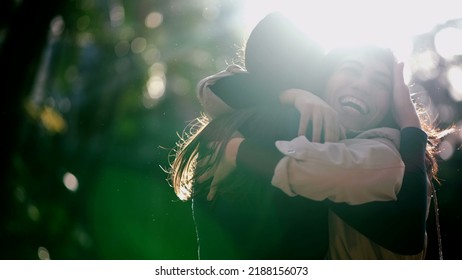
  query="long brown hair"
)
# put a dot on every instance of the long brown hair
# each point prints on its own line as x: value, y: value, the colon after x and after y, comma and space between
x: 202, y: 141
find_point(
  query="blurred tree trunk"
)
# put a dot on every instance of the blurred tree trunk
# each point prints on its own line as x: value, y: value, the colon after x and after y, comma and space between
x: 26, y: 28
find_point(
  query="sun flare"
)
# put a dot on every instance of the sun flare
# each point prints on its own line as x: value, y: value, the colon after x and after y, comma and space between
x: 334, y: 23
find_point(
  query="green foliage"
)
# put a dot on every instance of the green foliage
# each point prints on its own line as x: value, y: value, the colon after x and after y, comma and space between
x: 92, y: 113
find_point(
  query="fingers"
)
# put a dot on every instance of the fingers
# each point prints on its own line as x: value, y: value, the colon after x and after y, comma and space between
x: 322, y: 117
x: 399, y: 87
x: 404, y: 111
x: 323, y: 124
x: 331, y: 131
x: 222, y: 171
x: 303, y: 124
x: 212, y: 192
x: 207, y: 175
x: 326, y: 127
x: 397, y: 67
x: 222, y: 167
x: 398, y: 73
x: 214, y: 186
x: 342, y: 132
x: 317, y: 127
x: 202, y: 164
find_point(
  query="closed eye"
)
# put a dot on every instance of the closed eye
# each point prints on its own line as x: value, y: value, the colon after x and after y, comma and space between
x: 351, y: 70
x: 382, y: 83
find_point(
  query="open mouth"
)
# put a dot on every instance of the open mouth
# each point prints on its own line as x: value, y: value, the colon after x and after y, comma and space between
x: 354, y: 104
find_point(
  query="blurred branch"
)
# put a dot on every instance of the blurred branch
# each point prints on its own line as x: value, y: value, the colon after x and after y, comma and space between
x: 25, y: 37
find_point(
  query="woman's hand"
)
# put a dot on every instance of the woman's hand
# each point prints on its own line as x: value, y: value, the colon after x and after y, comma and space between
x: 313, y: 108
x: 225, y: 165
x: 404, y: 110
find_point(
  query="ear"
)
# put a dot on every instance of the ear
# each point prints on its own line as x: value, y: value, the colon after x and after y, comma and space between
x: 280, y: 53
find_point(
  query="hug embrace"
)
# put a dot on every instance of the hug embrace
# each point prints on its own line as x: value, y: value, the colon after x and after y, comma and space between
x: 302, y: 154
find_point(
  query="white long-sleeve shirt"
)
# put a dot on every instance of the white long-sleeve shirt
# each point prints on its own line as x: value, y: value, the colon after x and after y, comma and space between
x: 359, y: 170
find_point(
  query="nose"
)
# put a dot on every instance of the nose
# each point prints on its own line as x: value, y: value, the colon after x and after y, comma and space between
x: 361, y: 84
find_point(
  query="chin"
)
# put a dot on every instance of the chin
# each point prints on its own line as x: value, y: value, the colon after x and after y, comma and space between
x: 350, y: 124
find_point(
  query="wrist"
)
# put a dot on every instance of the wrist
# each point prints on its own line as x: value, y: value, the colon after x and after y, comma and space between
x: 287, y: 97
x: 406, y: 125
x: 411, y: 120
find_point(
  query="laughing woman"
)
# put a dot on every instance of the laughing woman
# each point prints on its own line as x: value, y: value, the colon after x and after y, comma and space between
x: 338, y: 200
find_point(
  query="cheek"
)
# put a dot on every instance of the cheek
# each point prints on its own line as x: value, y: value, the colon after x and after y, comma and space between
x: 328, y: 92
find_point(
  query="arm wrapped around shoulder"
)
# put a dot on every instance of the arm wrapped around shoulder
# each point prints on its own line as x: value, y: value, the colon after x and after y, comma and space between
x: 353, y: 171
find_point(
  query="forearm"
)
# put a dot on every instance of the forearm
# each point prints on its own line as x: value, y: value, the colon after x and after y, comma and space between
x: 354, y: 171
x: 233, y: 89
x: 259, y: 159
x: 258, y: 153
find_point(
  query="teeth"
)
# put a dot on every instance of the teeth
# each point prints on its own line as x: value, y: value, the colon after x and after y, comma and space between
x: 356, y: 103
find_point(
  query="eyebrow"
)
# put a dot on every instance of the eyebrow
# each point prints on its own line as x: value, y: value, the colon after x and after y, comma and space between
x: 359, y: 64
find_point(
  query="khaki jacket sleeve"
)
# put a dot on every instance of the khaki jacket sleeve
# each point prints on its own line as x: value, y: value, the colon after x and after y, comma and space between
x: 211, y: 104
x: 353, y: 171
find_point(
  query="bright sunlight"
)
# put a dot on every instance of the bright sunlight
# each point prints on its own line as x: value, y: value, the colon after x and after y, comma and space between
x: 336, y: 23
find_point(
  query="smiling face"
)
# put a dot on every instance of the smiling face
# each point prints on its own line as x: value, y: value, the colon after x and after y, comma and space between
x: 360, y: 90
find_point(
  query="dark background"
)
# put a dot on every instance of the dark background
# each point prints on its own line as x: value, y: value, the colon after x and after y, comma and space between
x: 100, y: 97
